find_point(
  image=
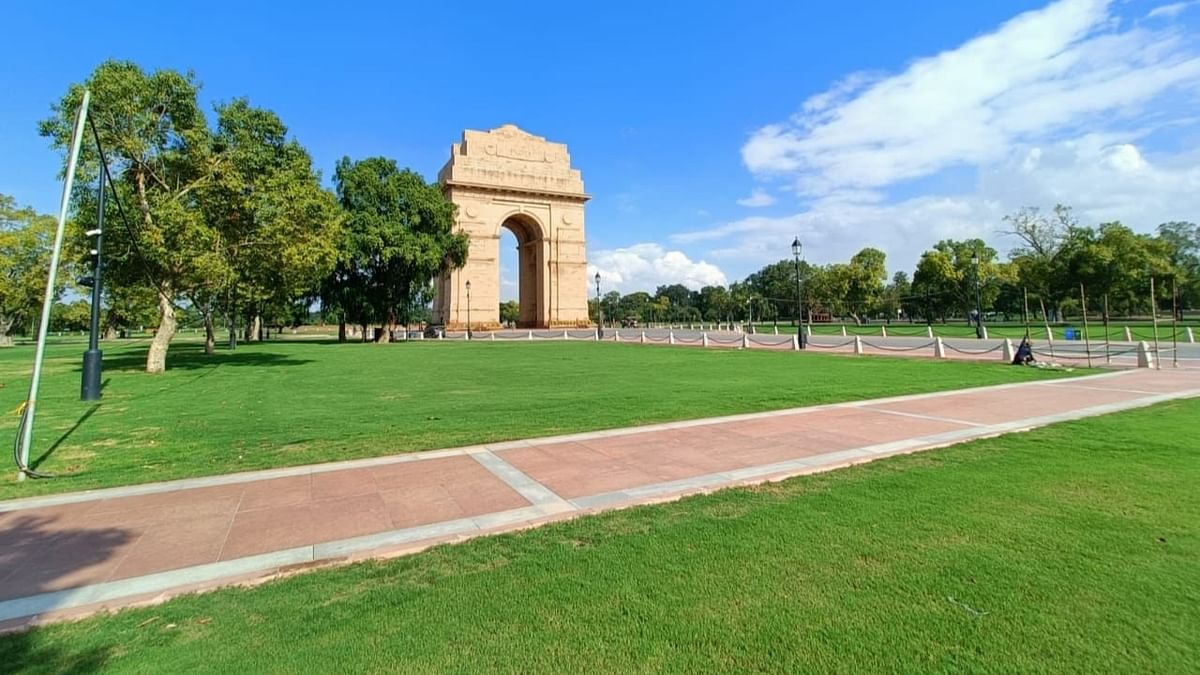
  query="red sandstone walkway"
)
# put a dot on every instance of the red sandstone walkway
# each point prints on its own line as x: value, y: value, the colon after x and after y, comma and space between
x: 75, y: 553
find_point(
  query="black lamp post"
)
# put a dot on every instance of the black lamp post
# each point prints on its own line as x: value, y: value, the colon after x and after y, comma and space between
x: 797, y: 248
x: 468, y: 309
x: 599, y: 310
x: 978, y: 297
x: 89, y: 389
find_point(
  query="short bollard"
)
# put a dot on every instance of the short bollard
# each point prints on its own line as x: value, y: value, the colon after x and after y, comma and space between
x: 745, y: 341
x: 530, y: 335
x: 704, y: 339
x: 643, y: 337
x: 939, y: 348
x: 671, y: 337
x: 1007, y: 354
x: 858, y: 345
x: 1145, y: 358
x: 795, y: 343
x: 566, y: 335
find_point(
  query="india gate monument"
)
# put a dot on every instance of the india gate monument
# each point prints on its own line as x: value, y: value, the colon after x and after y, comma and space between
x: 512, y: 179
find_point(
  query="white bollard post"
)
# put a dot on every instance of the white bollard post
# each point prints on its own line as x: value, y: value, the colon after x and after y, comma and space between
x: 566, y: 335
x: 530, y: 335
x: 643, y: 337
x: 939, y: 348
x: 883, y: 331
x: 1145, y: 359
x: 597, y: 334
x: 467, y: 336
x: 441, y: 335
x: 1128, y: 336
x: 858, y: 345
x: 493, y: 336
x: 745, y: 341
x: 704, y: 339
x: 1007, y: 353
x: 795, y: 343
x: 671, y: 337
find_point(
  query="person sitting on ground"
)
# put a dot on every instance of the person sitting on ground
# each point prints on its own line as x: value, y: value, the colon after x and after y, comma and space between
x: 1024, y: 355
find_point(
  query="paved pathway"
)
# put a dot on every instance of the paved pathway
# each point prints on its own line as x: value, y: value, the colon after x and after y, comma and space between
x: 75, y: 553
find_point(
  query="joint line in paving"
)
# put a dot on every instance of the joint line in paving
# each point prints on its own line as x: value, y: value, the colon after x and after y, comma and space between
x: 534, y: 492
x: 934, y: 418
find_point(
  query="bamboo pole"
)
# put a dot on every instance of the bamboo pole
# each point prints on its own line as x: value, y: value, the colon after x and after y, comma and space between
x: 1025, y: 310
x: 1154, y: 322
x: 1046, y: 321
x: 1174, y: 324
x: 1087, y: 342
x: 1107, y: 346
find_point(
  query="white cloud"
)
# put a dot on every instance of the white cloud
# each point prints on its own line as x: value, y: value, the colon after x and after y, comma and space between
x: 757, y: 199
x: 1067, y: 104
x: 1169, y: 11
x: 644, y: 267
x: 1057, y: 69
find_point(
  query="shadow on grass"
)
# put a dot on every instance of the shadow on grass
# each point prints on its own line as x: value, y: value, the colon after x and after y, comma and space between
x: 37, y: 550
x: 67, y: 434
x: 192, y: 357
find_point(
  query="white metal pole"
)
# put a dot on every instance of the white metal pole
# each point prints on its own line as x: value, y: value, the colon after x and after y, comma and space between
x: 48, y: 302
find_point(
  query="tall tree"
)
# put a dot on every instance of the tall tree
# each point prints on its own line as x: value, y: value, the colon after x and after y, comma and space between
x: 160, y: 149
x: 278, y: 228
x: 25, y: 242
x: 400, y: 234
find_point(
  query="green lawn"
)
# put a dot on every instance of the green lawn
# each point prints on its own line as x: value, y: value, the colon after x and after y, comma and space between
x: 1071, y: 548
x: 287, y: 403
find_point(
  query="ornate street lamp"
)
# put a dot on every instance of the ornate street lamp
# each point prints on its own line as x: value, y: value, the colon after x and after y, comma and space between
x: 599, y: 310
x: 468, y: 309
x: 797, y: 249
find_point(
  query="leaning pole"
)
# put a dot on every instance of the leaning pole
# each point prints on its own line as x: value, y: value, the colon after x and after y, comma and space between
x: 26, y: 429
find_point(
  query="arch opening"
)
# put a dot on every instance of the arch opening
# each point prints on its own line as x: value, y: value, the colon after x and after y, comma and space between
x: 528, y: 268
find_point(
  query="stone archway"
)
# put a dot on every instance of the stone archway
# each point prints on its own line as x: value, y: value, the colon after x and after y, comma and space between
x: 507, y: 178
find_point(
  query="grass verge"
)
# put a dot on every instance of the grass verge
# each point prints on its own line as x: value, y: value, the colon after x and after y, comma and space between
x: 288, y: 403
x: 1071, y: 547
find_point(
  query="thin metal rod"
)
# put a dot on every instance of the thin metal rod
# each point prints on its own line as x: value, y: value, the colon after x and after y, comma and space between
x: 94, y: 338
x: 51, y: 280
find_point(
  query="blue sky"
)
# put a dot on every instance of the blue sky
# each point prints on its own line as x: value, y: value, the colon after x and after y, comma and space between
x: 708, y: 138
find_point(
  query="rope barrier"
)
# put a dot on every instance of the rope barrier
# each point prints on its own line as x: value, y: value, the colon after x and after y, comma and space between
x: 810, y: 343
x: 974, y: 352
x: 927, y: 345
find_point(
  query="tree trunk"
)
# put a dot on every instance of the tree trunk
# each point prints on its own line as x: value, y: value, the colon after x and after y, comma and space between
x: 210, y: 334
x: 156, y: 360
x: 233, y: 330
x: 5, y: 340
x: 342, y: 330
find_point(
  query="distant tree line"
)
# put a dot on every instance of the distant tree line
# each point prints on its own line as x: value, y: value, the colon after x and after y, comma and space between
x: 1054, y: 257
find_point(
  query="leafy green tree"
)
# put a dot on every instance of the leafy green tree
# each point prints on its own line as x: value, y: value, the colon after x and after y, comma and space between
x: 510, y: 312
x: 160, y: 150
x: 1183, y: 239
x: 278, y: 228
x: 26, y: 238
x: 946, y: 278
x: 400, y: 236
x: 74, y: 316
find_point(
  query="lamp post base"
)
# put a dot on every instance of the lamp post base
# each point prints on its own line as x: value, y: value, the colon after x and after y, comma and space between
x: 90, y: 389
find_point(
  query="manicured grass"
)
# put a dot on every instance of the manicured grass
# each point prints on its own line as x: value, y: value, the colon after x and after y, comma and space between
x: 280, y: 403
x: 1068, y: 548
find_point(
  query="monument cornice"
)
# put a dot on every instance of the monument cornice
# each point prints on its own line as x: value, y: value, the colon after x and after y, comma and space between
x: 505, y: 189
